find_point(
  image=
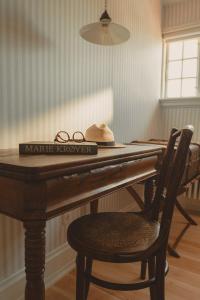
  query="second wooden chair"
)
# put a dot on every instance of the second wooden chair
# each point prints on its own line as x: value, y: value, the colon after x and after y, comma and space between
x: 132, y: 237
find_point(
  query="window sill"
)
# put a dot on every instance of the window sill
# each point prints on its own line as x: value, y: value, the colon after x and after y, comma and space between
x: 183, y: 102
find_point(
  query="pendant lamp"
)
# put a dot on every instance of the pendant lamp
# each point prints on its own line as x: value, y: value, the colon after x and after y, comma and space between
x: 105, y: 32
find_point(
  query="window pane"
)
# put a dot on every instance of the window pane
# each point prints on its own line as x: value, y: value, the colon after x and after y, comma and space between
x: 174, y: 88
x: 189, y: 87
x: 190, y: 68
x: 190, y: 48
x: 175, y: 50
x: 174, y: 69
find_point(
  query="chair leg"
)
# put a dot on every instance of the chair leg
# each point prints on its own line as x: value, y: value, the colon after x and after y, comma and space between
x: 160, y: 276
x: 172, y: 251
x: 185, y: 214
x: 143, y: 270
x: 80, y: 278
x: 88, y: 270
x: 151, y: 268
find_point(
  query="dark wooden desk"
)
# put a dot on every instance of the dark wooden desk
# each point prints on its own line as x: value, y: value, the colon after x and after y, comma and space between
x: 34, y: 189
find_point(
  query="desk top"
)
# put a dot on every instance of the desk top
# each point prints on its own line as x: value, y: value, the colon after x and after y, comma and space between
x: 38, y: 167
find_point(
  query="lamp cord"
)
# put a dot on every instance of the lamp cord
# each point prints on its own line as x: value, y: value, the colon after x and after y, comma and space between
x: 106, y: 4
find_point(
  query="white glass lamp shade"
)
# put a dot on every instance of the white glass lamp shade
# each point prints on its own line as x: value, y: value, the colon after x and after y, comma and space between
x: 106, y: 35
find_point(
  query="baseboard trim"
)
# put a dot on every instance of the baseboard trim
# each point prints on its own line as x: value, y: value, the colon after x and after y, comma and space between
x: 58, y: 263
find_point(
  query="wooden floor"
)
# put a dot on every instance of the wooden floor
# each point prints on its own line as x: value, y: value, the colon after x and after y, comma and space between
x: 182, y: 282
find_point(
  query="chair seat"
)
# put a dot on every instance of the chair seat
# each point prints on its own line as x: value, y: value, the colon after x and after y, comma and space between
x: 112, y: 234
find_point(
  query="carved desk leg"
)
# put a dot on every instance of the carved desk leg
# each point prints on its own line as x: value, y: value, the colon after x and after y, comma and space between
x: 34, y: 259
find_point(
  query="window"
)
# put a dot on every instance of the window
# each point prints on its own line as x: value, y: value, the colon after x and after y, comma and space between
x: 182, y: 68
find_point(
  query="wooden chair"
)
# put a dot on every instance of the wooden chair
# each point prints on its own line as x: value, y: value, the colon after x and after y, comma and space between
x: 131, y: 237
x: 186, y: 181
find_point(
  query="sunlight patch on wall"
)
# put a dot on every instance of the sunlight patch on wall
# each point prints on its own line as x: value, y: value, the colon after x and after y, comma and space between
x: 70, y: 115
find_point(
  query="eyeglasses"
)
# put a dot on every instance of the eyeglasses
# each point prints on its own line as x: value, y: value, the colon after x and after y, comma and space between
x: 64, y: 137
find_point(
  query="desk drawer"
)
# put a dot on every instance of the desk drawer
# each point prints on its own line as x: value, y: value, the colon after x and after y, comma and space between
x: 69, y: 192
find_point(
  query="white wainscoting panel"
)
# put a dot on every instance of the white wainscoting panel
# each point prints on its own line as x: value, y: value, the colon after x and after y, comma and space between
x: 51, y: 79
x: 180, y: 116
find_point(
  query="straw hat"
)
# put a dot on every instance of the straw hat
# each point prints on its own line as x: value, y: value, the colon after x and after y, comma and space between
x: 102, y: 135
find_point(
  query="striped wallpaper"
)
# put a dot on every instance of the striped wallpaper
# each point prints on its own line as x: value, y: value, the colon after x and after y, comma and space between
x: 51, y: 79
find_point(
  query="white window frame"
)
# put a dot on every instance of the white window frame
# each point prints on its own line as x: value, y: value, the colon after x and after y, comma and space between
x: 165, y: 66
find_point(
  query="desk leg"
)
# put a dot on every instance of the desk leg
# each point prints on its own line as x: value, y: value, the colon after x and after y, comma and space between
x: 34, y: 259
x: 148, y: 197
x: 148, y: 193
x: 94, y: 205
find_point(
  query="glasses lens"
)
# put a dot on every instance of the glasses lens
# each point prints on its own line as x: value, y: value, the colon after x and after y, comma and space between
x: 78, y: 137
x: 62, y: 137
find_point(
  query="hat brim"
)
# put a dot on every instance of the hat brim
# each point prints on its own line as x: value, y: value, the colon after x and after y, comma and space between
x: 113, y: 146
